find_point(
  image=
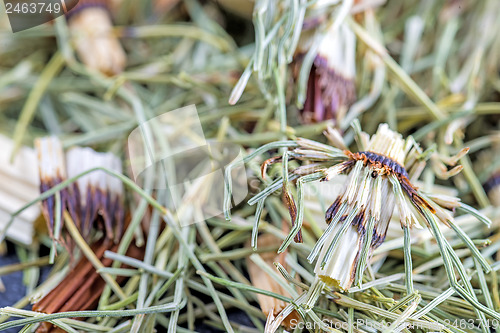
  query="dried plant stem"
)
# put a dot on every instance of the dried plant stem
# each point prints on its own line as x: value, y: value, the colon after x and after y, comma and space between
x: 408, y: 84
x: 243, y: 286
x: 27, y: 113
x: 87, y: 251
x: 408, y: 261
x: 194, y: 260
x: 42, y: 261
x: 57, y: 226
x: 415, y: 91
x: 39, y: 317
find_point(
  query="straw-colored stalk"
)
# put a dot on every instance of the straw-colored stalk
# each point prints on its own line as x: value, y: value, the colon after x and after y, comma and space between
x: 262, y: 280
x: 96, y: 45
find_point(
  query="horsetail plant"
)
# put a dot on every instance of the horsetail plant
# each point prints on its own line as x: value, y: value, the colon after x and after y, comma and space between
x: 380, y: 177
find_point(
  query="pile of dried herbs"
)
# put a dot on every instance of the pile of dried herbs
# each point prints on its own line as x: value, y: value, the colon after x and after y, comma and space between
x: 369, y: 132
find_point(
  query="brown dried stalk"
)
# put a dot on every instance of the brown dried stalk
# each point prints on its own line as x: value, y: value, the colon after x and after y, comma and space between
x: 82, y: 287
x: 262, y: 280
